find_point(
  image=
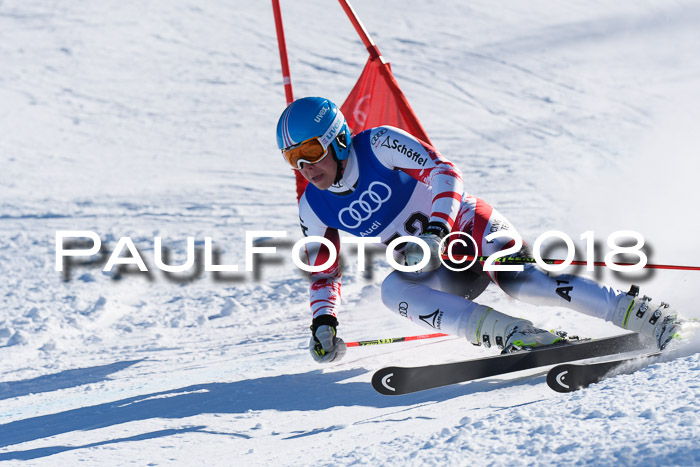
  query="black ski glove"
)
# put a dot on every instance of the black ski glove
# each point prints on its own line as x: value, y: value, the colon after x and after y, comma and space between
x: 324, y: 345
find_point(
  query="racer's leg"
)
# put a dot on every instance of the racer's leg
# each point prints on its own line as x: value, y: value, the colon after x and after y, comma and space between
x: 536, y: 286
x: 437, y: 300
x: 532, y: 284
x: 425, y: 299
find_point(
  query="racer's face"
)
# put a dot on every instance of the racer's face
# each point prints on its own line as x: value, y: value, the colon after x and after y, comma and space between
x: 321, y: 174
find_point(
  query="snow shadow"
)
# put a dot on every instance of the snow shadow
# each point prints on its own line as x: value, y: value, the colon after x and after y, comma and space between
x: 49, y: 451
x: 62, y: 380
x: 312, y: 391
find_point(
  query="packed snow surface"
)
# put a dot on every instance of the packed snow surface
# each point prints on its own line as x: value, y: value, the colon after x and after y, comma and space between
x: 156, y: 119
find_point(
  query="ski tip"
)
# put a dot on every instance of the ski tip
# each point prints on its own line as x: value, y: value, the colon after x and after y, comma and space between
x: 385, y: 381
x: 559, y: 379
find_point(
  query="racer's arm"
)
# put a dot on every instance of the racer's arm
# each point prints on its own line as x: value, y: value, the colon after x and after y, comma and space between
x: 324, y: 286
x: 396, y: 149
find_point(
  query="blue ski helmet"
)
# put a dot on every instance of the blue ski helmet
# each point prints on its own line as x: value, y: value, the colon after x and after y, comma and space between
x: 311, y: 117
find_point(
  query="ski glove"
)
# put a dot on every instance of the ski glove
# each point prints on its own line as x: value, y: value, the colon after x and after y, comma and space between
x: 433, y: 235
x: 324, y: 345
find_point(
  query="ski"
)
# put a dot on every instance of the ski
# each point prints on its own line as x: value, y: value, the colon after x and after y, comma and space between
x: 393, y: 380
x: 569, y: 377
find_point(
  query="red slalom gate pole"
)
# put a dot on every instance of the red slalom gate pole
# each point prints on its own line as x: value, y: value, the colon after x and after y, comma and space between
x: 287, y: 80
x: 516, y: 260
x: 361, y: 30
x: 393, y: 340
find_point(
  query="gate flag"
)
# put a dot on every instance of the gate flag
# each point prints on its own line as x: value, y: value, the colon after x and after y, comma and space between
x: 377, y: 100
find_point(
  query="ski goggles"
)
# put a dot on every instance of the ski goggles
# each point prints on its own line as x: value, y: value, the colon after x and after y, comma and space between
x: 313, y: 150
x: 310, y: 151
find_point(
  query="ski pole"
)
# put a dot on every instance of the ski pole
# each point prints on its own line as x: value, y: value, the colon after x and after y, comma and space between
x: 519, y: 260
x: 393, y: 340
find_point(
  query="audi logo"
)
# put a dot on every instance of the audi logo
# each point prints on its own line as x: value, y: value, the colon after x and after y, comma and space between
x: 367, y: 204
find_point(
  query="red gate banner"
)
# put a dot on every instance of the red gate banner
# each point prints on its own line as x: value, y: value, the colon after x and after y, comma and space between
x: 377, y: 100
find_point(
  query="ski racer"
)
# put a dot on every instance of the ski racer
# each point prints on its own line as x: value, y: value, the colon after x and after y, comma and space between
x: 385, y: 183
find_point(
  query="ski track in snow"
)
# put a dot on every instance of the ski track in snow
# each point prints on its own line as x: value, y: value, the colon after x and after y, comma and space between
x: 144, y: 120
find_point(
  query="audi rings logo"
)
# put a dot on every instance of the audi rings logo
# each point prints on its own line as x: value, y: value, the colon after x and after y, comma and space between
x: 403, y: 309
x: 367, y: 204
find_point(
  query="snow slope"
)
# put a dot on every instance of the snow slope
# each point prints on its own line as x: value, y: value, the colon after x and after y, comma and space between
x: 157, y: 119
